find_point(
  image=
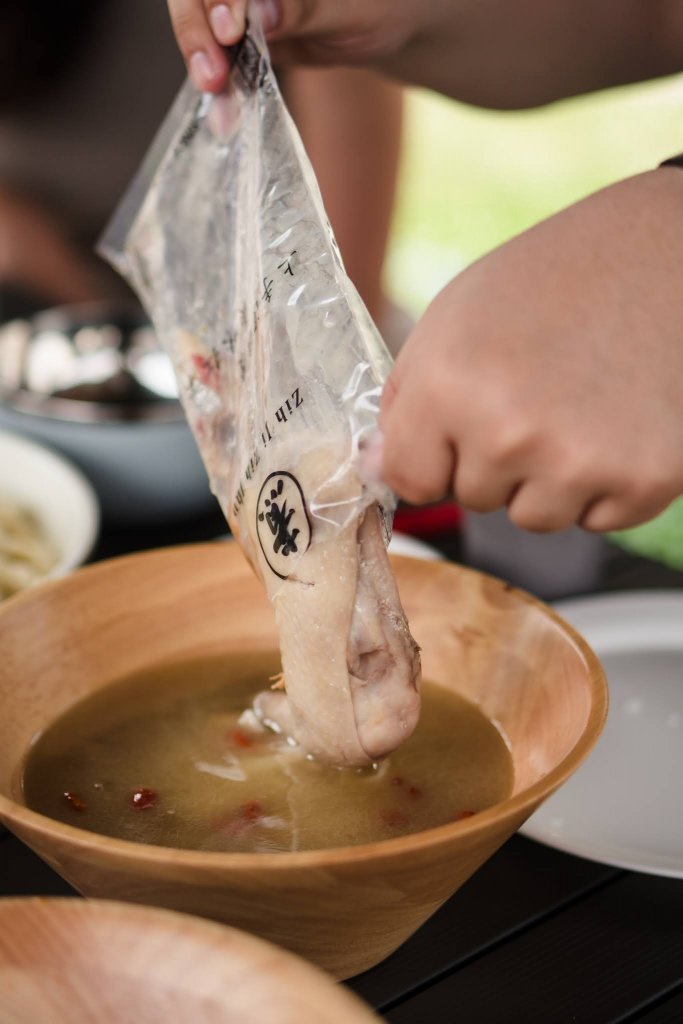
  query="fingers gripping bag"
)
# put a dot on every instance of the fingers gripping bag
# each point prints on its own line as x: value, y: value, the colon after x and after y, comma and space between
x: 279, y: 369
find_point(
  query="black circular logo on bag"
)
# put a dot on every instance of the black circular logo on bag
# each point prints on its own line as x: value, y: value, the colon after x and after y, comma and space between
x: 282, y: 523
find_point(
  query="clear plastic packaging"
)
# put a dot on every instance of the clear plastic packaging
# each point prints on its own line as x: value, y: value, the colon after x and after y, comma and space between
x: 279, y: 366
x: 224, y: 236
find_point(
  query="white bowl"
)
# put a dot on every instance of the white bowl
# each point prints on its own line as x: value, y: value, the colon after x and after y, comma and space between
x: 56, y: 493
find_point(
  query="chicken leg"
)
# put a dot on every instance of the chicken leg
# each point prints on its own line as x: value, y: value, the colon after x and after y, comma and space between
x: 351, y: 668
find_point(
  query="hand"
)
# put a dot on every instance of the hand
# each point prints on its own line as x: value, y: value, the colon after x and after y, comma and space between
x: 322, y: 32
x: 548, y: 376
x: 480, y: 51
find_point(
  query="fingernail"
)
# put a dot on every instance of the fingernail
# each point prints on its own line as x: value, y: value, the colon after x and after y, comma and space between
x: 202, y: 71
x: 224, y: 25
x: 269, y: 14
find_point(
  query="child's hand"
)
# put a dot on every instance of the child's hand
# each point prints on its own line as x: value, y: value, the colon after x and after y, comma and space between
x: 548, y: 377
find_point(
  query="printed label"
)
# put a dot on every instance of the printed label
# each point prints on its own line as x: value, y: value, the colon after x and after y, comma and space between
x: 282, y: 522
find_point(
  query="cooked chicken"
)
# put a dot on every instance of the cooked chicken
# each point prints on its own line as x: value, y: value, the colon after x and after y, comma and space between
x: 351, y: 668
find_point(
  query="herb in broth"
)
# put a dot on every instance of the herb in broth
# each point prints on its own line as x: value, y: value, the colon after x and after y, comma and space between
x: 171, y: 758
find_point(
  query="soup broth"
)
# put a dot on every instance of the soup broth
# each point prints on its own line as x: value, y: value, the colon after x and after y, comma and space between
x: 169, y: 758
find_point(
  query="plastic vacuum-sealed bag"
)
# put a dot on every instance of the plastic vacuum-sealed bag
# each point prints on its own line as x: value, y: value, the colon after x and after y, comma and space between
x: 279, y: 369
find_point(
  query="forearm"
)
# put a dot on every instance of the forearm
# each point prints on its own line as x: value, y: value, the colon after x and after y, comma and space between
x: 494, y: 53
x: 531, y: 52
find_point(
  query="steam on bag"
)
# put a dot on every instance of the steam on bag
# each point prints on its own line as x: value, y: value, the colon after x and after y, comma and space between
x: 279, y: 368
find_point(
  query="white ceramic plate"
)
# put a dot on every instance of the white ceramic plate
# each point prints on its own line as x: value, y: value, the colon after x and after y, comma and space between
x: 624, y: 806
x: 56, y: 492
x: 403, y: 544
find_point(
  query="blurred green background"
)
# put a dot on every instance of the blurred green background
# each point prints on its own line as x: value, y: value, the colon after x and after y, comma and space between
x: 471, y: 179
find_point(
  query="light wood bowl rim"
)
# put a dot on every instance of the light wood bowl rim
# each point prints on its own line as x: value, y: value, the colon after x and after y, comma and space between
x: 169, y: 920
x: 510, y: 811
x: 254, y: 952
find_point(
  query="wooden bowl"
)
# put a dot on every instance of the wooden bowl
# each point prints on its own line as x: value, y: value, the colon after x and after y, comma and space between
x: 344, y: 909
x: 71, y: 961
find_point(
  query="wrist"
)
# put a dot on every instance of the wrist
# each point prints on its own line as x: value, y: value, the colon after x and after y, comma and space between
x: 354, y: 32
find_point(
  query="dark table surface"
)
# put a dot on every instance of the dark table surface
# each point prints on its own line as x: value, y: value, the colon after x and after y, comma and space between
x: 534, y: 937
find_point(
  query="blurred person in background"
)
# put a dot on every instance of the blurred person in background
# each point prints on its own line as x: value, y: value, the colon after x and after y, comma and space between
x: 84, y: 87
x: 548, y: 376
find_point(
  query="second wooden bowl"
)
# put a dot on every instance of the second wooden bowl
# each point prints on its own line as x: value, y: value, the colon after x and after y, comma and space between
x: 72, y: 961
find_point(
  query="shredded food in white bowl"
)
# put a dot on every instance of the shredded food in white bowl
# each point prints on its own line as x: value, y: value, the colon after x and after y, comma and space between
x: 49, y: 515
x: 26, y: 555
